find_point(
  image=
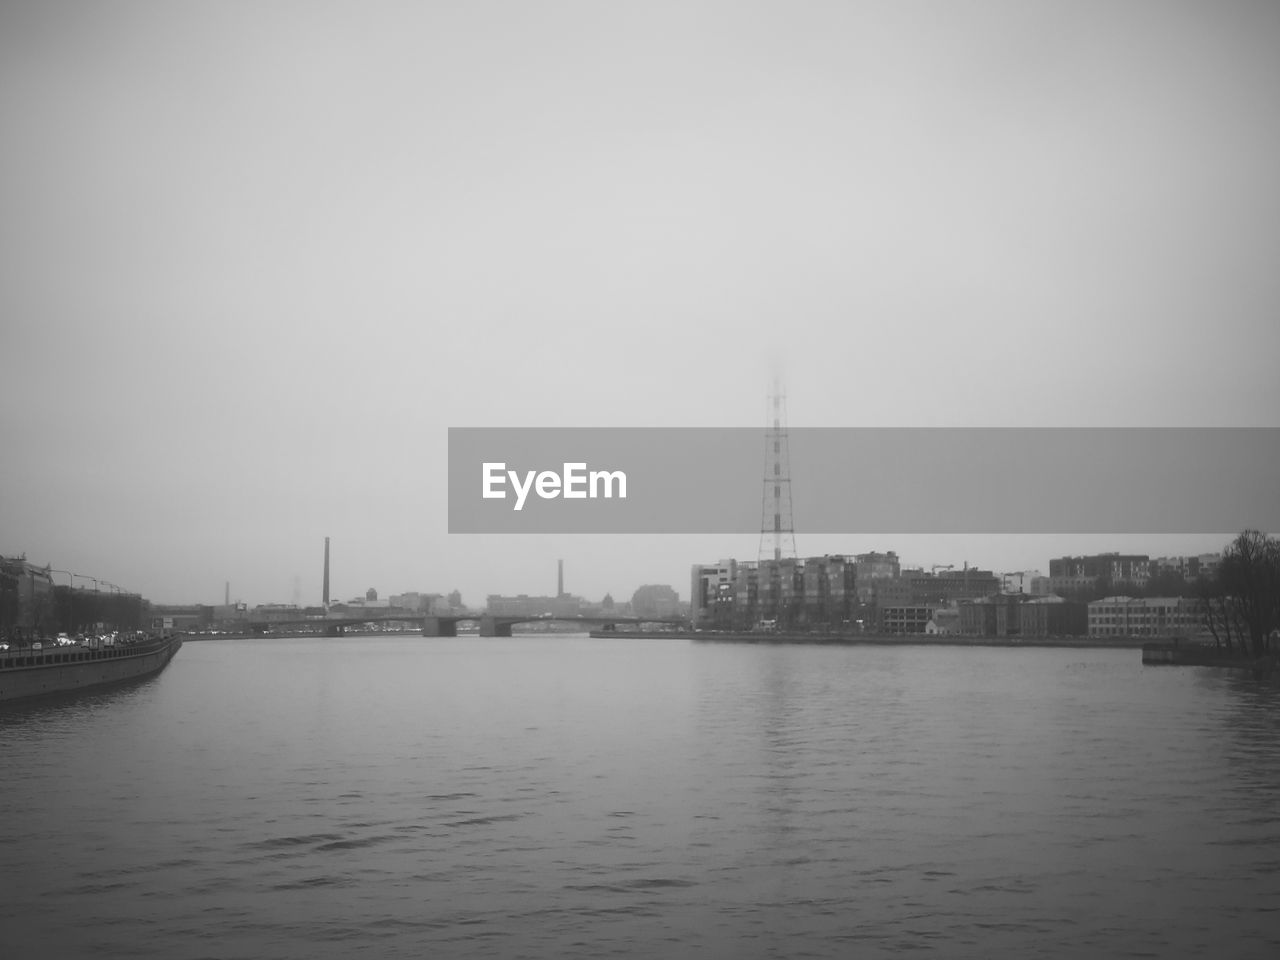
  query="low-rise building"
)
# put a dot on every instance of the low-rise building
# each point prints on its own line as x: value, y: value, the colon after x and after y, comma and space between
x: 1052, y: 616
x: 195, y: 617
x: 1145, y: 617
x: 906, y: 619
x: 945, y: 621
x: 1021, y: 615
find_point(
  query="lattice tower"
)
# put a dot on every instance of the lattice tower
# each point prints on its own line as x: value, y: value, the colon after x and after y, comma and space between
x: 777, y: 526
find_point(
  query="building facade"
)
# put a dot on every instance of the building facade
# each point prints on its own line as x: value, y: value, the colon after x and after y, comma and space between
x: 1134, y: 569
x: 835, y: 593
x: 1145, y: 617
x: 1021, y: 615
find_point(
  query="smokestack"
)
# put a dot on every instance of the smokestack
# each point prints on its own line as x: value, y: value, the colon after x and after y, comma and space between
x: 226, y: 595
x: 326, y: 573
x: 560, y: 579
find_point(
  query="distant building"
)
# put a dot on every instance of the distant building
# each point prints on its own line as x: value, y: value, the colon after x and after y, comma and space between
x: 1145, y: 617
x: 195, y: 617
x: 1203, y: 566
x: 1052, y: 616
x: 906, y: 619
x: 653, y: 600
x: 267, y: 613
x: 917, y: 587
x: 711, y: 594
x: 524, y: 605
x: 1021, y: 615
x: 26, y: 598
x: 1038, y: 585
x: 870, y: 567
x: 413, y: 600
x: 1114, y: 568
x: 837, y: 593
x: 945, y: 621
x: 230, y: 616
x: 361, y: 603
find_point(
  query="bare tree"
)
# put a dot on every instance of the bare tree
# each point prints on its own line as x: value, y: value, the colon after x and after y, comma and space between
x: 1249, y: 578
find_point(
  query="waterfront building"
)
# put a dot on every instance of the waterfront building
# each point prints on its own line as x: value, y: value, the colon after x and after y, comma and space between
x: 1145, y: 617
x: 1052, y: 616
x: 26, y: 598
x: 906, y: 619
x: 1020, y: 615
x: 871, y: 567
x: 836, y: 593
x: 233, y: 616
x: 945, y: 621
x: 711, y: 595
x: 181, y: 617
x: 816, y: 593
x: 994, y: 616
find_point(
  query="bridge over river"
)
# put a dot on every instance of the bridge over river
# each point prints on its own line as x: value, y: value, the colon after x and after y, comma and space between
x: 491, y: 625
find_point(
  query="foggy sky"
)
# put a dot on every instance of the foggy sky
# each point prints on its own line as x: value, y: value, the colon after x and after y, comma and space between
x: 256, y: 258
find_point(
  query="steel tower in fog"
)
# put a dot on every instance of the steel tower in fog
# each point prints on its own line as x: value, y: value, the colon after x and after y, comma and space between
x: 326, y: 573
x: 777, y: 528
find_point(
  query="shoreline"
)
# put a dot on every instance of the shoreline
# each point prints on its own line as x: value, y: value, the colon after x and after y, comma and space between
x: 36, y: 673
x: 869, y: 639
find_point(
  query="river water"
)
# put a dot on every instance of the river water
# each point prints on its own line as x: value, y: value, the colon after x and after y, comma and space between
x: 560, y: 796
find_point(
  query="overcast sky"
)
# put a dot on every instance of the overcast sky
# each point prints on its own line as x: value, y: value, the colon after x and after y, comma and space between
x: 256, y: 258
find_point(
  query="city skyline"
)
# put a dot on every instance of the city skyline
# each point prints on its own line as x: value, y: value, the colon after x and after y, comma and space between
x: 476, y: 598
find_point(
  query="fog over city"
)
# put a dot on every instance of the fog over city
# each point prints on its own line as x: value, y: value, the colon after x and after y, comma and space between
x: 258, y: 258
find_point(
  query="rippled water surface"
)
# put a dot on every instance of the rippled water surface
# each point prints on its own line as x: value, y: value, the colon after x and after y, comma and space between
x: 567, y: 797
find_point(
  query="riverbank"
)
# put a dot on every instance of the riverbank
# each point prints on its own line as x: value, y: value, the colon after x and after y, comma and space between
x: 33, y: 673
x: 902, y: 640
x: 1199, y: 655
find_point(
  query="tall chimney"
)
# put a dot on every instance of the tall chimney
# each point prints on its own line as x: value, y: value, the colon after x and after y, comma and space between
x: 226, y: 595
x: 560, y: 579
x: 326, y: 573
